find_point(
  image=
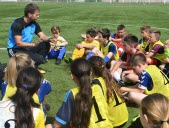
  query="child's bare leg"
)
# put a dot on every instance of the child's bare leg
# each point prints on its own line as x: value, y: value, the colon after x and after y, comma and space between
x: 136, y: 97
x: 129, y: 76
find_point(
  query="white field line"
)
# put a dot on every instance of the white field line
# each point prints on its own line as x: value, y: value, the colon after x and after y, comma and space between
x: 5, y: 49
x: 86, y: 22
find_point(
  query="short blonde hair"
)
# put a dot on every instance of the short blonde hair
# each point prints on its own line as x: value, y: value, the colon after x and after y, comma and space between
x: 15, y: 65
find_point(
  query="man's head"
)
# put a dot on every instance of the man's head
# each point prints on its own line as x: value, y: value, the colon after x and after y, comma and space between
x: 32, y: 11
x: 130, y: 43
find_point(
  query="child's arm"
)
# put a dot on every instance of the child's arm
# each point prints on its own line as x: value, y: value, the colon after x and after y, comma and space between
x: 132, y: 89
x: 149, y: 54
x: 88, y: 46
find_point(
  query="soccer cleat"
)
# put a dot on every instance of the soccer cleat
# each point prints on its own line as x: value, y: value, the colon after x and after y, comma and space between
x: 66, y: 60
x: 70, y: 60
x: 58, y: 61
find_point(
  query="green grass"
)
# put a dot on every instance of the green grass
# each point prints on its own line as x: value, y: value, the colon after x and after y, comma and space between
x: 74, y: 19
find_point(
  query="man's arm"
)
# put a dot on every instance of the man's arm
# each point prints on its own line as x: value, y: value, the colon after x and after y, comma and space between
x: 43, y: 36
x: 20, y: 43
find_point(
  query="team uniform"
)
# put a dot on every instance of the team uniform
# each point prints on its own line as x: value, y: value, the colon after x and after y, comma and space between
x: 45, y: 88
x: 78, y: 53
x: 110, y: 47
x: 153, y: 80
x: 143, y: 44
x: 158, y: 50
x: 117, y: 110
x: 27, y: 31
x: 7, y: 109
x: 99, y: 113
x: 57, y: 52
x: 118, y: 44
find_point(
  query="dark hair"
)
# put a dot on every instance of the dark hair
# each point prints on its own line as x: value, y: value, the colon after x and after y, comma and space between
x: 105, y: 33
x: 120, y: 27
x: 91, y: 32
x: 55, y: 28
x: 100, y: 70
x: 27, y: 83
x: 81, y: 69
x: 30, y: 8
x: 131, y: 40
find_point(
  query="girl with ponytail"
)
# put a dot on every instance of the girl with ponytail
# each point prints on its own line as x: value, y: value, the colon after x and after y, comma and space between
x: 154, y: 111
x: 117, y: 110
x: 20, y: 110
x: 83, y: 106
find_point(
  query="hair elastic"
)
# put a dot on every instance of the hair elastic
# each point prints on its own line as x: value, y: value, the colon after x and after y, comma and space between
x: 24, y: 86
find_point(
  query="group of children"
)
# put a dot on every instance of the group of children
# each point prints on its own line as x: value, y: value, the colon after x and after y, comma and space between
x: 116, y: 59
x: 112, y: 61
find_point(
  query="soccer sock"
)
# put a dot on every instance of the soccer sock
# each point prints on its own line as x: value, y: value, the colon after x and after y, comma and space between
x: 89, y: 55
x: 117, y: 76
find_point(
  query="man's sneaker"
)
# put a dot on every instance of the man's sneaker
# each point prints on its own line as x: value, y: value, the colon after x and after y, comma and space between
x: 58, y: 61
x: 41, y: 71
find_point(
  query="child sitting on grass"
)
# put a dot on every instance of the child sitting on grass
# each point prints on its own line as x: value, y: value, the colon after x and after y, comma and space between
x: 151, y: 80
x: 154, y: 51
x: 58, y: 45
x: 145, y: 34
x: 85, y: 47
x: 165, y: 67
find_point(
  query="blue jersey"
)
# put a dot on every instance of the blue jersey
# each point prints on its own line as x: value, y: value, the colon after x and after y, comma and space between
x: 145, y: 81
x: 21, y: 28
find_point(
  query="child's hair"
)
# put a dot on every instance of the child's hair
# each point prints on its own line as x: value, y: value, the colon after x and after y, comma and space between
x: 120, y: 27
x: 81, y: 69
x: 15, y: 64
x: 100, y: 70
x: 156, y: 108
x: 30, y: 8
x: 28, y: 83
x: 131, y: 40
x: 92, y: 32
x: 105, y: 33
x: 55, y: 28
x: 137, y: 59
x: 145, y: 28
x: 157, y: 33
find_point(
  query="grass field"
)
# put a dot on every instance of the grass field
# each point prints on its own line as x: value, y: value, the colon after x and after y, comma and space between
x: 74, y: 19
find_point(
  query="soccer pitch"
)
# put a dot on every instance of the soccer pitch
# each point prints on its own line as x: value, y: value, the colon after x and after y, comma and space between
x: 74, y: 19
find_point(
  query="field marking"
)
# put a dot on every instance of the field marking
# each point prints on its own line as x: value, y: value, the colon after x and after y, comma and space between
x: 87, y: 22
x: 5, y: 49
